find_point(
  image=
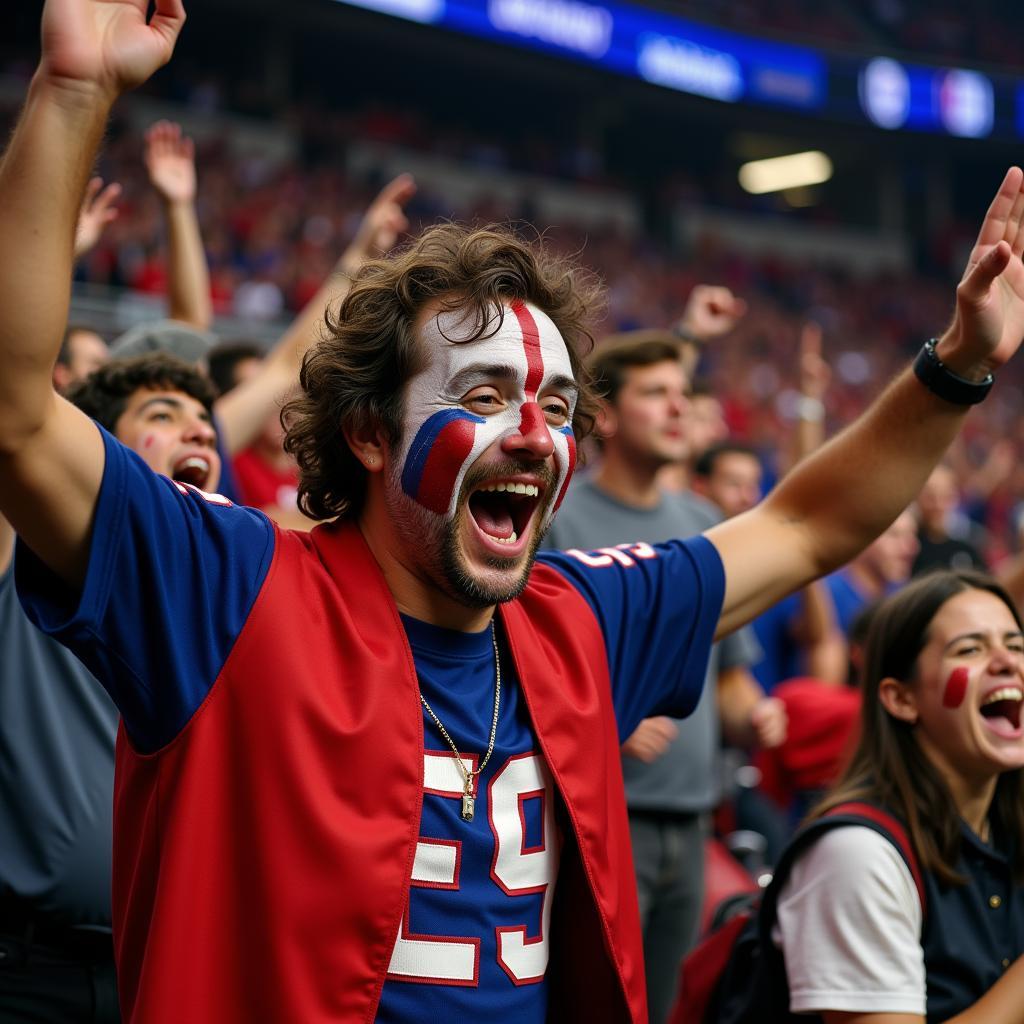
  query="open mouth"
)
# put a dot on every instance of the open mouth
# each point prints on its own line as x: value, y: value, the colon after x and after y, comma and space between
x: 194, y: 470
x: 502, y: 510
x: 1002, y: 709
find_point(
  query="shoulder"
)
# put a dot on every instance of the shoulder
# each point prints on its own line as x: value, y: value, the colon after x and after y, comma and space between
x: 849, y: 926
x: 852, y: 871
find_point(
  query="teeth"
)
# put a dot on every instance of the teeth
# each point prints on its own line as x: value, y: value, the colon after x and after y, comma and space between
x: 1006, y: 693
x: 511, y: 539
x: 530, y: 490
x: 194, y: 462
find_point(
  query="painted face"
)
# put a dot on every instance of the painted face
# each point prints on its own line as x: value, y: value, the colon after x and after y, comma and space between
x: 487, y: 451
x: 513, y: 389
x: 970, y: 688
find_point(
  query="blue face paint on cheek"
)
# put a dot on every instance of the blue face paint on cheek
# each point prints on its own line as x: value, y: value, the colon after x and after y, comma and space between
x: 436, y: 457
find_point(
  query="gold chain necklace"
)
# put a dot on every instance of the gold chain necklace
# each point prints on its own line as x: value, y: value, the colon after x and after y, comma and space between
x: 468, y: 800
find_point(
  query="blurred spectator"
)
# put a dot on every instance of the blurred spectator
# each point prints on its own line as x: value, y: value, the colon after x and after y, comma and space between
x: 879, y: 570
x: 82, y: 351
x: 944, y: 533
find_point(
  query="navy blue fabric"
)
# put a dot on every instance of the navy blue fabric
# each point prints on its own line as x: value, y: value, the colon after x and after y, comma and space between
x: 972, y: 932
x: 658, y: 616
x: 172, y: 576
x: 774, y: 629
x: 457, y: 676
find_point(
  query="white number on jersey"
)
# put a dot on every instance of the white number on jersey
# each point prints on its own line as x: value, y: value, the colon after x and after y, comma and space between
x: 622, y: 554
x: 517, y: 869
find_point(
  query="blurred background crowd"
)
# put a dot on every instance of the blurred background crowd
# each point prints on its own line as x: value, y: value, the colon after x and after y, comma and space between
x: 297, y: 130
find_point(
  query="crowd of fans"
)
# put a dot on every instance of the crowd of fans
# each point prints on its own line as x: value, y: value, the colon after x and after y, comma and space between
x: 271, y: 235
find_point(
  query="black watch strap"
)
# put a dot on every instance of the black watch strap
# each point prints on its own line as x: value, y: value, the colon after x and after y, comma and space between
x: 938, y: 378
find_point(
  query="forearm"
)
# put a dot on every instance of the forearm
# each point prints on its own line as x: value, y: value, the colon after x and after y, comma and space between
x: 242, y: 412
x: 43, y: 176
x: 6, y: 544
x: 188, y: 277
x: 816, y: 631
x: 1003, y: 1003
x: 832, y: 505
x: 738, y: 694
x: 847, y: 492
x: 828, y: 660
x: 810, y: 428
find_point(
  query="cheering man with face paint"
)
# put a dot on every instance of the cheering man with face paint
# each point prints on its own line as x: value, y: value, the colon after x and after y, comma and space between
x: 372, y: 771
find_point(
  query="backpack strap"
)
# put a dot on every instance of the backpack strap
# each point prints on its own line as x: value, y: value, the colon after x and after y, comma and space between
x: 893, y: 829
x: 853, y: 812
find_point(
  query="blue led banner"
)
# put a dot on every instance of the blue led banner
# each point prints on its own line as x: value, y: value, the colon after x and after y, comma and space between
x: 675, y: 53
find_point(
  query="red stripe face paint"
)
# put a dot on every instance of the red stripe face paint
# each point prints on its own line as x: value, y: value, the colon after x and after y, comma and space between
x: 956, y: 688
x: 531, y: 349
x: 534, y: 428
x: 525, y: 357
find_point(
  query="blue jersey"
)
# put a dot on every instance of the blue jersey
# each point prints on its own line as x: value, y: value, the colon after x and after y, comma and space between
x: 173, y: 574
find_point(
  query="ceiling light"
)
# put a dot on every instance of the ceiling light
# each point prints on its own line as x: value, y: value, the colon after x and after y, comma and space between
x: 781, y: 172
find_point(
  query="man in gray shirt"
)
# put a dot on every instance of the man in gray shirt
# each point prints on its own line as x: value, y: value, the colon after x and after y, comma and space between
x: 670, y: 767
x: 57, y: 728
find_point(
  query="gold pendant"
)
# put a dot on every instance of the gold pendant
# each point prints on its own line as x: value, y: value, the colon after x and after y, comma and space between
x: 468, y: 807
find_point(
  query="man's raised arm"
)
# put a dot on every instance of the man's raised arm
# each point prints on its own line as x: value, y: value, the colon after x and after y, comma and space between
x: 833, y: 504
x: 243, y: 411
x: 51, y: 457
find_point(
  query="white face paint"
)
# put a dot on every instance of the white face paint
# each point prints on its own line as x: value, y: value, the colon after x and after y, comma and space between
x: 526, y: 359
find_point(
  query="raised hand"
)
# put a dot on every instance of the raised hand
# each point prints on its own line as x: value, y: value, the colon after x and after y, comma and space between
x: 711, y: 310
x: 170, y: 162
x: 107, y: 44
x: 98, y: 210
x: 384, y: 219
x: 815, y: 373
x: 989, y: 322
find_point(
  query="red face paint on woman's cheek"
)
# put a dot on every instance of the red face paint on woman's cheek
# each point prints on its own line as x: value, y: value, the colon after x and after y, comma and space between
x: 147, y: 441
x: 956, y: 688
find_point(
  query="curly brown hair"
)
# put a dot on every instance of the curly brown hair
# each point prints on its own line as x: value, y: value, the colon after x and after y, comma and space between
x: 356, y: 374
x: 104, y: 394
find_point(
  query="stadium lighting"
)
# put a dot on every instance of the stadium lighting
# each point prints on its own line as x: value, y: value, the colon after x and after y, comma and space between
x: 797, y: 170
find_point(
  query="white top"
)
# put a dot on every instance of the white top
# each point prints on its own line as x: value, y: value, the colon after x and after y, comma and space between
x: 849, y: 926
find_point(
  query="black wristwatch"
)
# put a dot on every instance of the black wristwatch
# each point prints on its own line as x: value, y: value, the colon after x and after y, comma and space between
x: 940, y: 380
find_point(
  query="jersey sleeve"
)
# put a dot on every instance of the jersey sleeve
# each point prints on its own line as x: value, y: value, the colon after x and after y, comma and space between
x: 849, y: 926
x: 658, y: 607
x: 172, y: 575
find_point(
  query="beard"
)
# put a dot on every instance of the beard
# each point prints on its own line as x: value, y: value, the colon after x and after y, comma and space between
x: 433, y: 542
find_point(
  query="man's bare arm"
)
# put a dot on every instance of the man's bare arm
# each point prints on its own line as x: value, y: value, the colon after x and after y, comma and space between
x: 51, y: 456
x: 171, y: 165
x: 242, y: 412
x: 6, y: 544
x: 836, y: 501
